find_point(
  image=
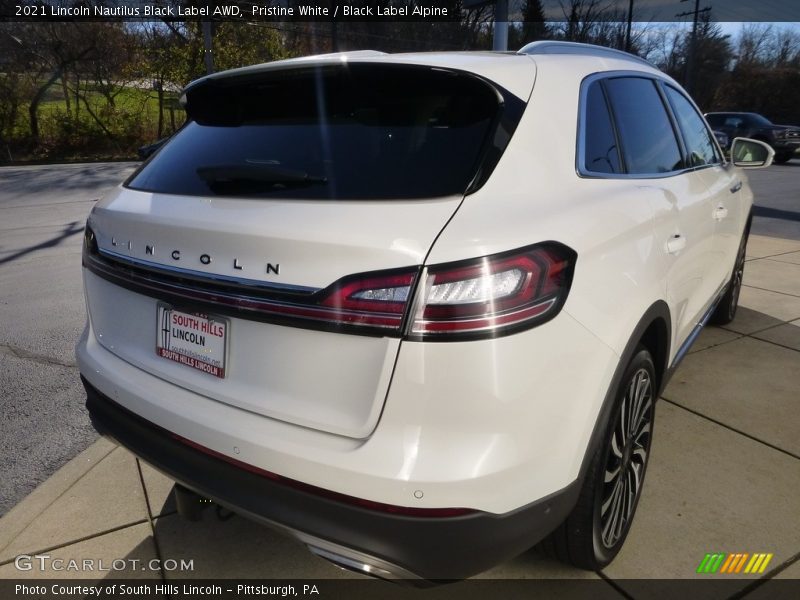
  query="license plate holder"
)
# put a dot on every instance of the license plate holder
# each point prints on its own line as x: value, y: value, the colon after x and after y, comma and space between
x: 195, y: 340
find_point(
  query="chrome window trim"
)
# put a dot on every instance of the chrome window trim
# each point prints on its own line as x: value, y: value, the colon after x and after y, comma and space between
x: 580, y: 147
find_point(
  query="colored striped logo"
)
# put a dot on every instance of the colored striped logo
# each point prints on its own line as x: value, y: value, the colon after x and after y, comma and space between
x: 738, y: 562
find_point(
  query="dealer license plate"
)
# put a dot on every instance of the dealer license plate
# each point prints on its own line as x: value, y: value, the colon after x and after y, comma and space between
x: 191, y: 339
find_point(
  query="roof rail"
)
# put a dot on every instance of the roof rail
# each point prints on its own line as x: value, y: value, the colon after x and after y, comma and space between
x: 344, y: 55
x: 556, y: 47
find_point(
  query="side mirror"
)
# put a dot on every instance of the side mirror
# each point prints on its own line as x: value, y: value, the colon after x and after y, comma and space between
x: 751, y: 154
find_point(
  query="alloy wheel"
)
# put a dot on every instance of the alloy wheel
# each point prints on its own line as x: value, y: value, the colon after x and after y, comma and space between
x: 627, y: 458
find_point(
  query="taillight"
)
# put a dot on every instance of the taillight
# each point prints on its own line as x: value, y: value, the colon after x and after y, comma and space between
x: 485, y: 297
x: 377, y: 301
x: 493, y: 295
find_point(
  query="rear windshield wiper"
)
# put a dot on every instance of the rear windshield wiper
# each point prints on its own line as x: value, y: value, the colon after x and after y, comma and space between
x: 250, y: 177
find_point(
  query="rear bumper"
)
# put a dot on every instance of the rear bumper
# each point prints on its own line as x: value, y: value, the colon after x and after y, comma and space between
x: 391, y: 545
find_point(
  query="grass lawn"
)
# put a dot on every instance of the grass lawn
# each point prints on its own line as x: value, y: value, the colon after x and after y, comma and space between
x: 132, y: 121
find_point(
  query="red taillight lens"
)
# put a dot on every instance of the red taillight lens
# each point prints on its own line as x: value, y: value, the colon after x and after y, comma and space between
x: 378, y: 301
x: 493, y: 295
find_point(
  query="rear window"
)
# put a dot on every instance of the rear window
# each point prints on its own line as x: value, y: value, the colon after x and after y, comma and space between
x: 345, y: 132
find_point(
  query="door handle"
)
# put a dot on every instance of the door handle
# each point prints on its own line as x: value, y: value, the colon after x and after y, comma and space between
x: 676, y: 243
x: 736, y: 187
x: 720, y: 213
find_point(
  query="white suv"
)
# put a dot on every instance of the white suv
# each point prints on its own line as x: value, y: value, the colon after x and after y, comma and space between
x: 415, y: 309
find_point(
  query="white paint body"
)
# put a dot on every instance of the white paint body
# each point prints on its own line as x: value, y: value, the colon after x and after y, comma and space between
x: 491, y: 425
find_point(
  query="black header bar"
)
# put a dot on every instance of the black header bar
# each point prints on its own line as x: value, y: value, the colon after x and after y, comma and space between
x: 423, y: 11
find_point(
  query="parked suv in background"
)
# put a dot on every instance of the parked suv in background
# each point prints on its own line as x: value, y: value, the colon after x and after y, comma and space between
x: 415, y: 309
x: 784, y: 139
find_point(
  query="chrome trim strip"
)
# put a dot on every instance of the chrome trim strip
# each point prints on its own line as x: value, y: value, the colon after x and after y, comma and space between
x: 257, y: 305
x: 244, y: 306
x: 698, y: 328
x: 203, y: 276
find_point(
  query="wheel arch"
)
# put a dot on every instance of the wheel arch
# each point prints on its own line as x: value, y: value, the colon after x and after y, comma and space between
x: 574, y: 541
x: 654, y: 332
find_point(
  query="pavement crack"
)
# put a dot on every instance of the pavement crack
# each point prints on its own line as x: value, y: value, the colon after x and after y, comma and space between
x: 53, y: 501
x: 41, y: 359
x: 738, y: 337
x: 150, y: 519
x: 77, y: 540
x: 770, y: 575
x: 731, y: 428
x: 755, y: 287
x: 773, y: 255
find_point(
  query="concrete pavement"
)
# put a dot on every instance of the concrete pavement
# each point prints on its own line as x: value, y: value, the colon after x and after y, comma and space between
x: 724, y: 476
x: 42, y: 212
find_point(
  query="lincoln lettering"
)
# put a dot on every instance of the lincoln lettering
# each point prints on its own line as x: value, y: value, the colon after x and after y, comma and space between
x: 206, y: 259
x: 176, y: 255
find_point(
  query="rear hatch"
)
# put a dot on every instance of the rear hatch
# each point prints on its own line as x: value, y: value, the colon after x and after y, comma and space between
x: 265, y: 257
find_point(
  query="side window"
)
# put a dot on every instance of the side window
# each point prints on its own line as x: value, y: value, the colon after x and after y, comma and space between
x: 601, y: 154
x: 648, y: 141
x: 715, y: 120
x: 699, y: 145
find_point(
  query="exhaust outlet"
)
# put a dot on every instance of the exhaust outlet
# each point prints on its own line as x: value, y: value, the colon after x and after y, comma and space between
x: 190, y: 505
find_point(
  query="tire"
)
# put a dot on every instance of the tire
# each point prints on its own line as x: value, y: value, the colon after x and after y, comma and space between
x: 726, y: 309
x: 783, y: 158
x: 596, y: 529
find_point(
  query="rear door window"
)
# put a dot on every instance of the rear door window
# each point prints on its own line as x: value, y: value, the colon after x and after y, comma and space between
x: 355, y: 131
x: 646, y: 135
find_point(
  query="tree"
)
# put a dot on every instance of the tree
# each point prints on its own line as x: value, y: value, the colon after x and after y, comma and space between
x: 47, y: 52
x: 596, y: 22
x: 534, y: 26
x: 762, y: 45
x: 713, y: 55
x: 766, y: 75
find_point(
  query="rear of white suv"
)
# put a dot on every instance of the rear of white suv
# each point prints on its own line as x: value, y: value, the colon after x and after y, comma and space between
x: 413, y: 309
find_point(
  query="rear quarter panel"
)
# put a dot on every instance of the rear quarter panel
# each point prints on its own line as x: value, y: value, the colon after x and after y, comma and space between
x: 535, y: 195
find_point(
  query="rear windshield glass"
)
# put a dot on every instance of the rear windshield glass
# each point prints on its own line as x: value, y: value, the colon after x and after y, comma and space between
x: 346, y: 132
